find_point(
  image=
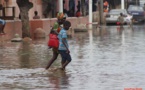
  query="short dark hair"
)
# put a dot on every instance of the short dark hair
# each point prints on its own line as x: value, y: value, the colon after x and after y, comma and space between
x: 121, y: 14
x: 67, y: 23
x: 35, y: 12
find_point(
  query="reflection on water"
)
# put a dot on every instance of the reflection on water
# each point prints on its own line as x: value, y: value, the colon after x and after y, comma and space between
x: 25, y: 53
x: 103, y: 59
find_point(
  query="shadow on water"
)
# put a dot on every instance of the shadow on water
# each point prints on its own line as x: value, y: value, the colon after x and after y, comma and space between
x: 103, y: 58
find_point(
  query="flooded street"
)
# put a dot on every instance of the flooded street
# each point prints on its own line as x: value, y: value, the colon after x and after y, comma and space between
x: 102, y: 59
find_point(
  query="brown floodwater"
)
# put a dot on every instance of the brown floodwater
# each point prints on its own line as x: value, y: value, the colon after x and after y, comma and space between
x: 102, y: 59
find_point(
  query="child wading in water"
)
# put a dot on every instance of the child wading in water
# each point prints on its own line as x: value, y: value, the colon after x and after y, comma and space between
x: 121, y: 20
x: 56, y: 29
x: 63, y: 45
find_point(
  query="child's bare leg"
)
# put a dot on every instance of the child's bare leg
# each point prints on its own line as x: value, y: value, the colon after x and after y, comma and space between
x: 121, y: 26
x: 118, y: 27
x: 55, y: 55
x: 62, y: 62
x: 65, y: 64
x: 3, y: 26
x: 130, y: 25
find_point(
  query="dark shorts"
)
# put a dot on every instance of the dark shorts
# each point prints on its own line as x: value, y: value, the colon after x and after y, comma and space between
x: 2, y: 22
x: 65, y: 56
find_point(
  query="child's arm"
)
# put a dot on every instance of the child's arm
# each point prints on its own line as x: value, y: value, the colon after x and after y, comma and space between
x: 54, y: 31
x: 63, y: 41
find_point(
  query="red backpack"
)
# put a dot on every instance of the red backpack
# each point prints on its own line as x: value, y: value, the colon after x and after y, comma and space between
x: 53, y: 41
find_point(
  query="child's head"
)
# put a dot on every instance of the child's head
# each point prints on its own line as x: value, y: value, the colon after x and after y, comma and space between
x: 121, y: 14
x: 61, y: 18
x: 66, y: 25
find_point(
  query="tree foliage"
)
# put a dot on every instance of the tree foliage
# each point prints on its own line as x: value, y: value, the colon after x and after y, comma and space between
x: 24, y: 3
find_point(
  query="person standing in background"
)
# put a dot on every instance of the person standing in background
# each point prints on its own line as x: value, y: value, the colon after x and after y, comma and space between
x: 121, y: 20
x: 71, y: 8
x: 78, y: 13
x: 2, y: 26
x: 36, y: 15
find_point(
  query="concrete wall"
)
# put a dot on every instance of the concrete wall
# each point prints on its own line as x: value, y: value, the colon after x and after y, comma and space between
x: 14, y: 26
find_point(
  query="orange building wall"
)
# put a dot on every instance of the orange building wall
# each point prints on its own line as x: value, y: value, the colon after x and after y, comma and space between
x: 12, y: 27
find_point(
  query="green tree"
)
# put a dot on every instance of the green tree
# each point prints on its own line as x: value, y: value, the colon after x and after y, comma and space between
x: 25, y: 6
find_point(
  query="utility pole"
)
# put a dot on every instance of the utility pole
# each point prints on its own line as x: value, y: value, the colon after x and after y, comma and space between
x: 122, y: 4
x: 90, y: 11
x: 60, y: 5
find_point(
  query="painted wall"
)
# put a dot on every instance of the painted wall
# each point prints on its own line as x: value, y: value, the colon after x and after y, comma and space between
x: 37, y: 6
x: 14, y: 26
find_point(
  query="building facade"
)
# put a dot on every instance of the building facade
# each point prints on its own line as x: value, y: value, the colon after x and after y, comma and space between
x: 40, y: 6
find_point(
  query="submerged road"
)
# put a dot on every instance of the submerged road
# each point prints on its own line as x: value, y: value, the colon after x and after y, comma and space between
x: 103, y: 59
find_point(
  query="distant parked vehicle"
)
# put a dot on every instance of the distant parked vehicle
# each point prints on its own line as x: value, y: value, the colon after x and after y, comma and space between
x: 112, y: 16
x: 141, y: 3
x: 137, y: 12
